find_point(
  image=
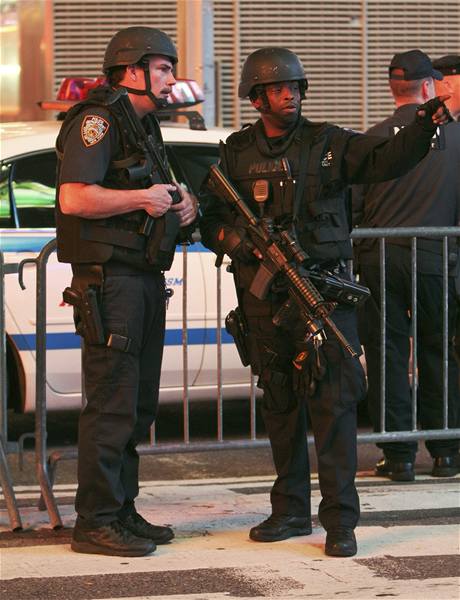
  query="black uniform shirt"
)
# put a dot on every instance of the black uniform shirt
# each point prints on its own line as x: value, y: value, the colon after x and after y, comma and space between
x: 428, y: 195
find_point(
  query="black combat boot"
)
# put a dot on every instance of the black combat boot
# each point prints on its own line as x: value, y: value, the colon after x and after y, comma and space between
x: 280, y: 527
x: 340, y: 541
x: 394, y: 470
x: 445, y: 466
x: 143, y: 529
x: 112, y: 539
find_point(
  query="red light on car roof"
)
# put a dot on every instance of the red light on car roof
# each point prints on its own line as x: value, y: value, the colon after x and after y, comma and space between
x: 197, y: 91
x: 77, y: 88
x: 185, y: 92
x: 181, y: 93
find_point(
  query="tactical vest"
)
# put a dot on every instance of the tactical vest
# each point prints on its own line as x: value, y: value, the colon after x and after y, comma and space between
x: 320, y: 211
x: 117, y: 238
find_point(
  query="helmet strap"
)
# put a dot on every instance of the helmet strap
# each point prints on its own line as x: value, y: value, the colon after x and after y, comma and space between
x: 159, y: 102
x: 262, y: 94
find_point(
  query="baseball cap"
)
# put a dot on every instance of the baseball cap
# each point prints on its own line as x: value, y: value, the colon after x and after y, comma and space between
x: 448, y: 65
x: 415, y: 64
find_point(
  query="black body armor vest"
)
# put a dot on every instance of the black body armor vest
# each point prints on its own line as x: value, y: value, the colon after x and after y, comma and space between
x: 319, y: 210
x: 117, y: 238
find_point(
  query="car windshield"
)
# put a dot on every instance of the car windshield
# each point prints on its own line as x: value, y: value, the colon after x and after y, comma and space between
x: 32, y: 183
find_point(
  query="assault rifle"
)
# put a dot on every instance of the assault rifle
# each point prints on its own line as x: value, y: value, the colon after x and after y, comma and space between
x: 147, y: 149
x: 281, y: 253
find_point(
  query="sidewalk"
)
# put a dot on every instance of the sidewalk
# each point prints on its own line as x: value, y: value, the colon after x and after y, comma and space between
x: 408, y: 542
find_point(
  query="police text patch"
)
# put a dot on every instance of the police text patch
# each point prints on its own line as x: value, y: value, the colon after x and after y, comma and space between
x: 93, y: 129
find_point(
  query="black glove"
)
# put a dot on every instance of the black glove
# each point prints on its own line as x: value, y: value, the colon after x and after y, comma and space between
x: 236, y: 244
x: 244, y: 251
x: 430, y: 108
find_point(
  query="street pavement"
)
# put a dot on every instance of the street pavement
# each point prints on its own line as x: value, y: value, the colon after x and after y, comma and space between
x: 408, y: 541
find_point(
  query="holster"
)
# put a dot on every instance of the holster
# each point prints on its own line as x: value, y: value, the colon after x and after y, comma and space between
x: 84, y: 295
x: 235, y: 325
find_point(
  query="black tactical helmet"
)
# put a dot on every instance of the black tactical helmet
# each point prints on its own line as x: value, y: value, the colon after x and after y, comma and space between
x: 270, y: 65
x: 129, y: 45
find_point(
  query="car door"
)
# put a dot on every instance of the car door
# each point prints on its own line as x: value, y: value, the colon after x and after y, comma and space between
x: 27, y: 225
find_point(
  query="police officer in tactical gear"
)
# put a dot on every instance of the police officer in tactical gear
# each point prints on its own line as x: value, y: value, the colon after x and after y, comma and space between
x: 117, y: 224
x: 295, y: 173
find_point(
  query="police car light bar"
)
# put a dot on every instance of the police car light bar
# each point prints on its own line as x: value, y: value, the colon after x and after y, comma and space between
x: 185, y: 93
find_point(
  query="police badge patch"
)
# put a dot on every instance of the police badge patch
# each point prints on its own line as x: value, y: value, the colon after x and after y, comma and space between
x: 326, y: 161
x: 93, y: 129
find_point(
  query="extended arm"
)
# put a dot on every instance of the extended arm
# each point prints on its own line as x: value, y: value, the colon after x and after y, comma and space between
x: 371, y: 159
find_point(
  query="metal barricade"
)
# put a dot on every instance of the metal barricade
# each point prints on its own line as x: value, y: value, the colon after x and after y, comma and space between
x: 41, y: 465
x: 5, y: 476
x: 46, y: 466
x: 413, y: 233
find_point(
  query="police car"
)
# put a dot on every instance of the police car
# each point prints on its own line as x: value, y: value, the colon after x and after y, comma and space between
x: 27, y: 196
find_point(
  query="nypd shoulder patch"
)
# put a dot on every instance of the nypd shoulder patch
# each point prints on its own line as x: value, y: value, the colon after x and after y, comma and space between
x: 93, y: 129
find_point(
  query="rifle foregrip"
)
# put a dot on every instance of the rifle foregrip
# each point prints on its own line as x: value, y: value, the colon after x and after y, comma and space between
x: 218, y: 183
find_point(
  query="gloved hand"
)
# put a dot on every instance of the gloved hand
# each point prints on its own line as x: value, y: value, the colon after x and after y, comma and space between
x: 245, y: 251
x: 236, y: 243
x: 433, y: 113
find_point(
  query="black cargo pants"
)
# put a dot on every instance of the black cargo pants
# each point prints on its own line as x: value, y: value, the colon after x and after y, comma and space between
x: 398, y: 409
x: 288, y: 408
x: 122, y: 396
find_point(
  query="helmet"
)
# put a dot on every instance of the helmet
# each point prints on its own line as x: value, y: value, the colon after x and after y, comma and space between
x: 269, y: 65
x: 129, y: 45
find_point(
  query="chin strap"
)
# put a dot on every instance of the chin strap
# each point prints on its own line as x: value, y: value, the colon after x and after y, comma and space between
x: 159, y: 102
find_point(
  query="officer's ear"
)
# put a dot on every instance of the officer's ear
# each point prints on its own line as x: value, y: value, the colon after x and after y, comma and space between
x: 427, y: 89
x: 257, y: 103
x: 131, y: 72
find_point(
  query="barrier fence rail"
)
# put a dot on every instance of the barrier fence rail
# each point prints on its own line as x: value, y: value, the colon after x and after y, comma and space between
x: 5, y: 476
x: 46, y: 465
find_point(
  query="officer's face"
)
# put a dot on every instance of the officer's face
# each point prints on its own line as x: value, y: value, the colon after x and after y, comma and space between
x: 284, y: 98
x: 284, y: 101
x: 450, y: 85
x: 161, y: 82
x: 161, y: 76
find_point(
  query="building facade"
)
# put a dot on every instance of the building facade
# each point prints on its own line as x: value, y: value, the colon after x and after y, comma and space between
x: 345, y: 45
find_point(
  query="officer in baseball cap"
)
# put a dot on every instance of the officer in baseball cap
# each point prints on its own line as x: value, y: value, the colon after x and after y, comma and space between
x: 412, y: 65
x: 449, y: 66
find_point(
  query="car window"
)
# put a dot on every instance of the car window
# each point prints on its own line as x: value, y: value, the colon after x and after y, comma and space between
x: 191, y: 163
x: 31, y: 180
x: 6, y: 219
